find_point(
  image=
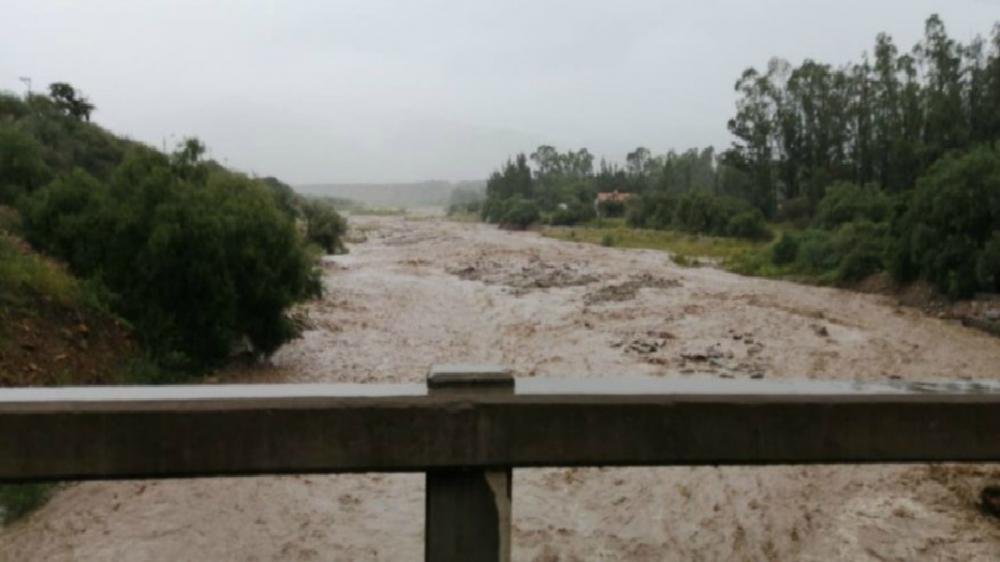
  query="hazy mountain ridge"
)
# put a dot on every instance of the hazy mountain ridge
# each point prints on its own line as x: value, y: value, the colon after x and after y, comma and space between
x: 411, y: 194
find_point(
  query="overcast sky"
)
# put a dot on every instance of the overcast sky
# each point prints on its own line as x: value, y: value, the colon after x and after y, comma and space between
x: 332, y: 91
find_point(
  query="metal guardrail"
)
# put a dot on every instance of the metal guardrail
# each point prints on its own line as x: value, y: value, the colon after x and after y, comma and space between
x: 469, y: 426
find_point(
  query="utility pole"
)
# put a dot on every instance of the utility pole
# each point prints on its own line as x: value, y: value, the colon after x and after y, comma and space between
x: 27, y: 82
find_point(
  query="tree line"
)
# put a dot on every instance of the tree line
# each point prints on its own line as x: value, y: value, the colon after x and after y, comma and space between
x: 888, y: 163
x: 883, y: 120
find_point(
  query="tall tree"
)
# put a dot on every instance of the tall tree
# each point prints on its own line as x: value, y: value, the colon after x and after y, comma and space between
x: 68, y: 100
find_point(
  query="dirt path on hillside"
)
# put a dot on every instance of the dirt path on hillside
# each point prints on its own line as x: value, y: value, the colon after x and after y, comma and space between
x: 424, y: 292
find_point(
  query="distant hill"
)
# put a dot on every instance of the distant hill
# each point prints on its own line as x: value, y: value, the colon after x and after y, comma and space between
x: 417, y: 194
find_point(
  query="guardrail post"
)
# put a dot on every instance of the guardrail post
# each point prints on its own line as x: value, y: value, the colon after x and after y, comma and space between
x: 467, y: 515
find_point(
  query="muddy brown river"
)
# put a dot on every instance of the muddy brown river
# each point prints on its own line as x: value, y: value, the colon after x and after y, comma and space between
x: 421, y: 292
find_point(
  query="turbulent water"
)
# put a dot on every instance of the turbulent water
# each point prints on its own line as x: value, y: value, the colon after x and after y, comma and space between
x: 422, y: 292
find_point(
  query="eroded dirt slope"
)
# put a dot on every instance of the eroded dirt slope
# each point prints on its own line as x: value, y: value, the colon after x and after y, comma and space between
x: 424, y: 292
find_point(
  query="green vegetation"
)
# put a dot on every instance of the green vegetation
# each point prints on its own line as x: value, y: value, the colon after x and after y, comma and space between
x: 680, y: 244
x: 699, y: 213
x: 17, y: 500
x: 948, y: 232
x: 324, y: 226
x: 199, y: 261
x: 887, y: 164
x: 26, y: 276
x: 197, y: 258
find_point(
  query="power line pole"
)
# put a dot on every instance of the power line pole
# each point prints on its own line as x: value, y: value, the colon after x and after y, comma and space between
x: 27, y: 82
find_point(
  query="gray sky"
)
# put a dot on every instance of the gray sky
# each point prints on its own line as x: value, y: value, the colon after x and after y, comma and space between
x: 332, y: 91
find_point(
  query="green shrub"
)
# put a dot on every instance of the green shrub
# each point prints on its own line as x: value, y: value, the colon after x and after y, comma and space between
x: 12, y: 107
x: 785, y: 250
x: 17, y: 500
x: 654, y: 211
x: 607, y: 240
x: 611, y: 209
x: 816, y: 252
x: 748, y: 224
x: 848, y: 202
x: 798, y: 211
x: 988, y: 265
x: 22, y: 169
x: 324, y: 226
x: 572, y: 213
x: 520, y: 213
x: 494, y: 209
x: 719, y: 216
x: 860, y: 249
x: 195, y: 267
x: 10, y: 220
x: 946, y: 234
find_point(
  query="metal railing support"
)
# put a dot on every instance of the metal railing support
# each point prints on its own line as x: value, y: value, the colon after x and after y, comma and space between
x: 467, y: 515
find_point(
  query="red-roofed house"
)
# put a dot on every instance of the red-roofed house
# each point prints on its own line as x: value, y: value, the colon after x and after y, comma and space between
x: 608, y: 199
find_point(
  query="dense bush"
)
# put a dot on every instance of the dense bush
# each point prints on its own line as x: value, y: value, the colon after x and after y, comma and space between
x: 520, y: 213
x: 196, y: 267
x: 22, y: 169
x: 17, y: 500
x: 859, y: 248
x: 785, y: 250
x: 718, y: 216
x: 850, y: 253
x: 699, y: 213
x: 815, y: 253
x: 572, y: 213
x: 988, y: 264
x: 748, y: 224
x: 611, y: 209
x: 655, y: 210
x: 797, y: 210
x: 324, y: 226
x: 947, y: 234
x: 848, y: 202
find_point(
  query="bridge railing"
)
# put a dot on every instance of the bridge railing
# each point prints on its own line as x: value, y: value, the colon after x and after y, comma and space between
x: 469, y: 426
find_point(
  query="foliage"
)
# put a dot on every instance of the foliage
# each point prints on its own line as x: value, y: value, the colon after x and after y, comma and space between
x: 988, y: 264
x: 785, y: 250
x: 67, y: 100
x: 17, y: 500
x: 324, y: 226
x: 859, y: 250
x: 611, y: 209
x: 572, y: 213
x: 883, y: 121
x: 197, y: 258
x: 285, y: 197
x: 64, y: 141
x: 520, y: 213
x: 748, y: 224
x: 26, y: 275
x: 846, y: 202
x: 947, y: 233
x: 797, y: 211
x: 677, y: 243
x: 22, y: 169
x: 194, y: 266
